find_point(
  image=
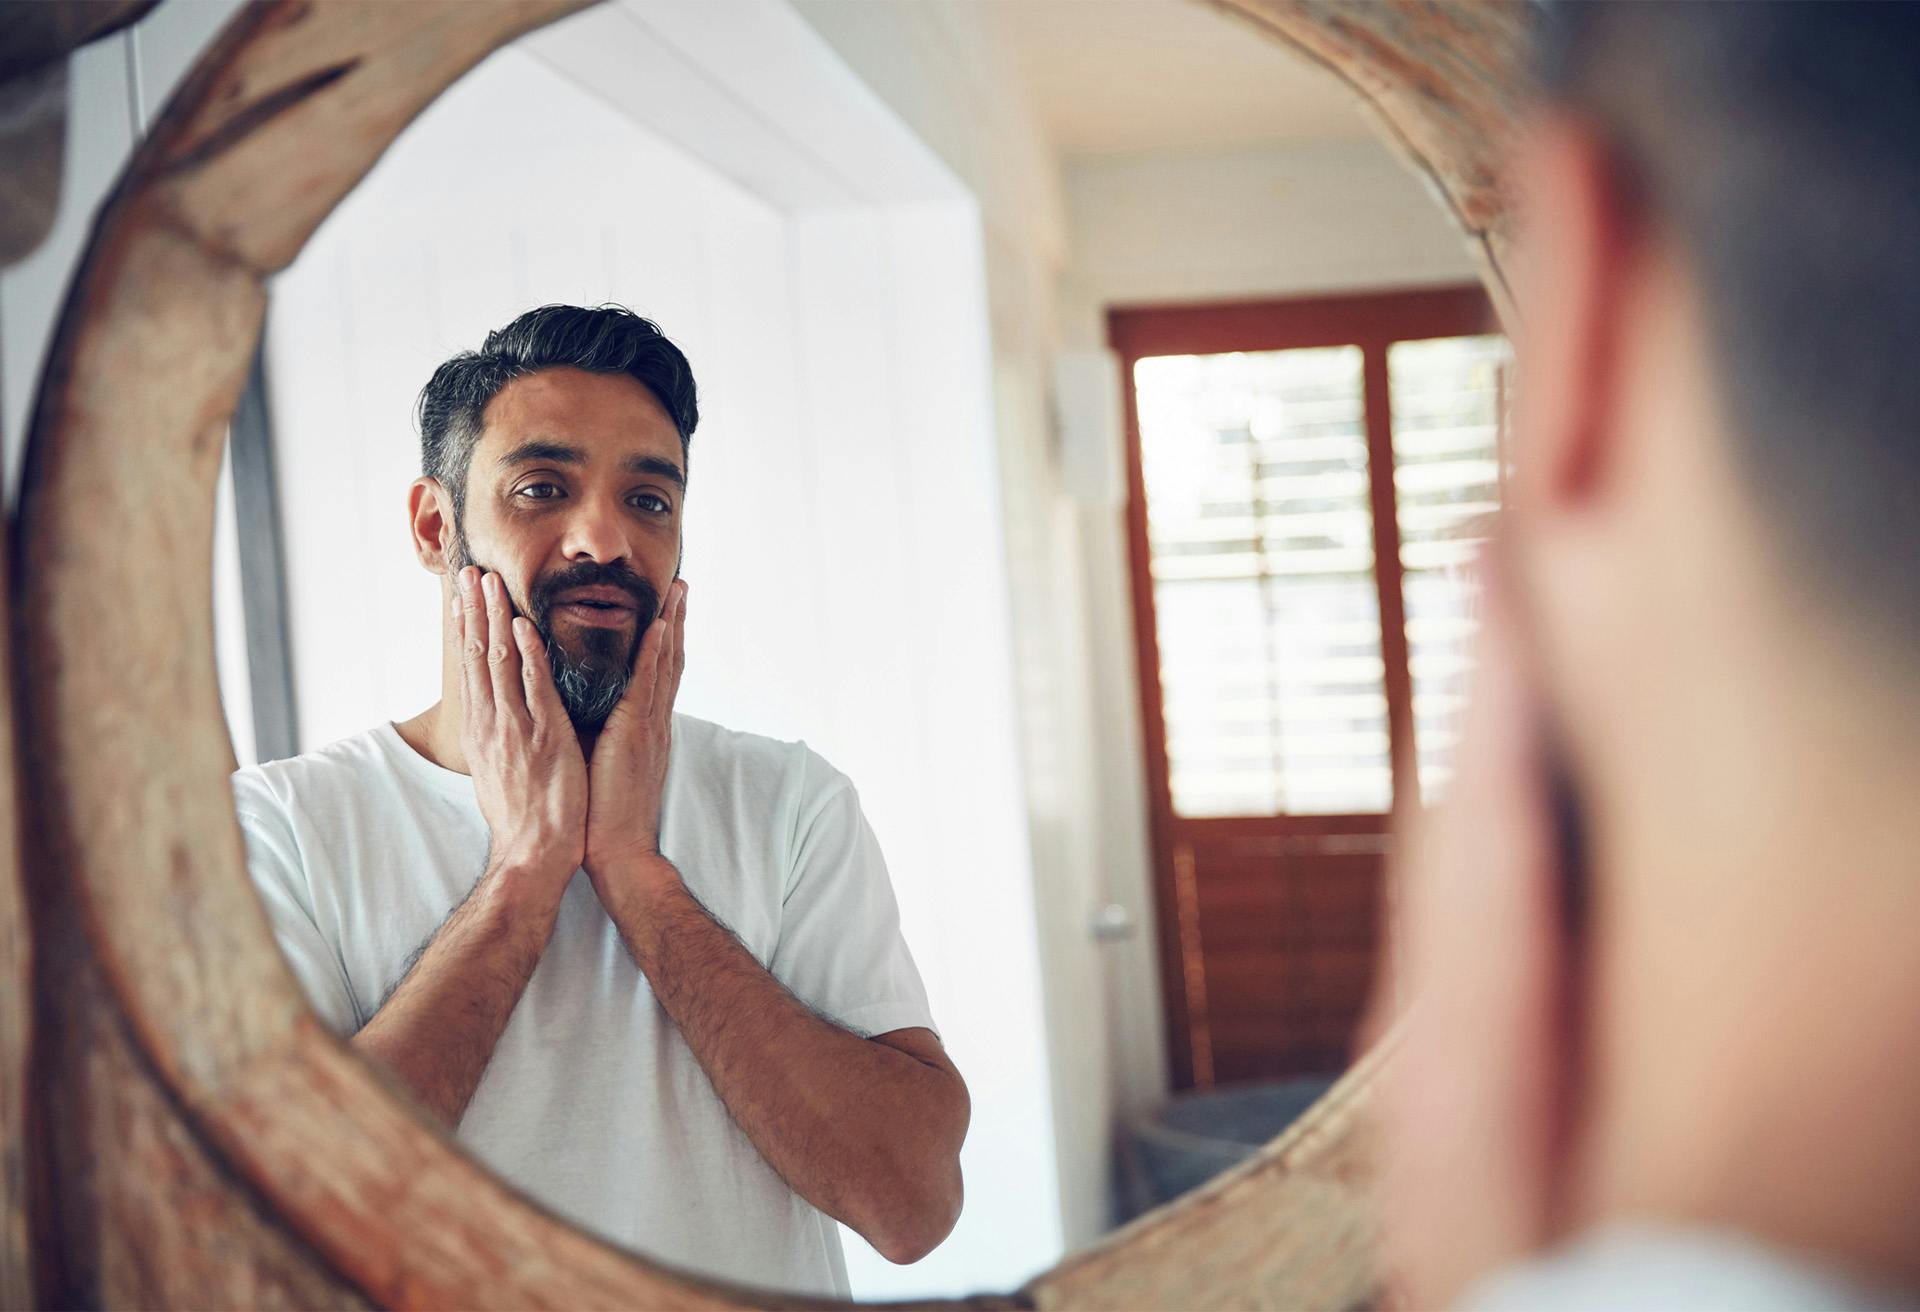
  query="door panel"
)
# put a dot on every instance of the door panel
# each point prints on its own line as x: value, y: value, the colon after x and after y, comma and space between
x: 1286, y: 938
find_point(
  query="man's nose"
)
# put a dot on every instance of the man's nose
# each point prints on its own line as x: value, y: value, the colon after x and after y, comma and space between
x: 597, y: 532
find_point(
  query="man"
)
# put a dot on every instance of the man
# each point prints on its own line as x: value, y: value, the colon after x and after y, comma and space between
x: 650, y: 968
x: 1662, y: 943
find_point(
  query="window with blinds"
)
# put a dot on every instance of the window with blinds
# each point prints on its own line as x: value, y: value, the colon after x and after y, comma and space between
x: 1262, y: 564
x: 1267, y: 594
x: 1448, y: 396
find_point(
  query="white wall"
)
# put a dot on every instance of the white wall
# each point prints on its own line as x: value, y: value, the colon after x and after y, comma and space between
x: 1273, y: 221
x: 912, y: 551
x: 935, y: 64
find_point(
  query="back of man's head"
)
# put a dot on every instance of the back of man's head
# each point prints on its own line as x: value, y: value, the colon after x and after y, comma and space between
x: 1660, y: 929
x: 1780, y: 144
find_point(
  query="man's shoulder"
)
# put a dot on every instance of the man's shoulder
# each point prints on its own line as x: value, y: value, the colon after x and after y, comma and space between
x: 712, y: 754
x: 346, y: 766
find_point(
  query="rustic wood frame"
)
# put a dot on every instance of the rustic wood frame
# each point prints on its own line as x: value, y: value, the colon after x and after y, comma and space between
x: 180, y: 1130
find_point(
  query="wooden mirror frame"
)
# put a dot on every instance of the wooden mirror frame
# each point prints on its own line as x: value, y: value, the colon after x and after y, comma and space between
x: 192, y: 1134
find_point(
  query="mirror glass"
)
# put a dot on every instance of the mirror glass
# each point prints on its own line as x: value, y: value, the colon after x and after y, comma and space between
x: 1092, y: 419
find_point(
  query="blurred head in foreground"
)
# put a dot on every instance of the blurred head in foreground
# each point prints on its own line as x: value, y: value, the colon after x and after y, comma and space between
x: 1663, y: 939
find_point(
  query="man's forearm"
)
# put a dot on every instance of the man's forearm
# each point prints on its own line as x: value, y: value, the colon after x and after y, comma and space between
x: 865, y: 1132
x: 438, y: 1028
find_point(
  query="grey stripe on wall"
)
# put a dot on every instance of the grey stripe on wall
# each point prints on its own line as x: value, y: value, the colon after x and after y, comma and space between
x: 263, y: 576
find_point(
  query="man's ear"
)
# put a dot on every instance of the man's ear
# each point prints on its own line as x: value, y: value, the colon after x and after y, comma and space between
x: 430, y: 519
x: 1579, y: 241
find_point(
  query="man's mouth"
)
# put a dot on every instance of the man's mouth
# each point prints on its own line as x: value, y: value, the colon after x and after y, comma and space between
x: 602, y: 605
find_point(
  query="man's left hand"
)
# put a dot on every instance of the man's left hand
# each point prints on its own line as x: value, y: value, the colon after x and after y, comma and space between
x: 628, y: 772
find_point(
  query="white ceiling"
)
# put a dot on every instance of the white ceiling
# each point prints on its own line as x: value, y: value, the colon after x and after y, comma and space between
x: 1127, y: 76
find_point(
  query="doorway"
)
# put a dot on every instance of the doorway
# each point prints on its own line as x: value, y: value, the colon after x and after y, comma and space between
x: 1307, y: 480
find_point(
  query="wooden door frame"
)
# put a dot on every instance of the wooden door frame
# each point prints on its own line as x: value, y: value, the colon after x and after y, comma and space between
x: 1372, y: 321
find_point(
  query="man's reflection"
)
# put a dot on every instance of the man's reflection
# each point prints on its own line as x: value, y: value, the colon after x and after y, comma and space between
x: 675, y: 1005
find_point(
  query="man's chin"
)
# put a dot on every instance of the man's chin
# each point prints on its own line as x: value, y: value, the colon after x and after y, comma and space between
x: 595, y: 646
x: 598, y: 653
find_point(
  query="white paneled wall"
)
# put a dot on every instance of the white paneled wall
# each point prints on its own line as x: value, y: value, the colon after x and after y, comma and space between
x: 894, y: 348
x: 936, y: 65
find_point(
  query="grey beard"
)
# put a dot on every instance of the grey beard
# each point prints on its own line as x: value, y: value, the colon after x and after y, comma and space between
x: 588, y: 692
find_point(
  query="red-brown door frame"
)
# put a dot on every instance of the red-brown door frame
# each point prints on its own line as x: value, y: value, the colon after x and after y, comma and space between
x: 1370, y: 321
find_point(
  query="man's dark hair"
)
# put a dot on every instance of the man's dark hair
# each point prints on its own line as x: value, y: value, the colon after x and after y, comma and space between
x: 1780, y: 143
x: 608, y: 339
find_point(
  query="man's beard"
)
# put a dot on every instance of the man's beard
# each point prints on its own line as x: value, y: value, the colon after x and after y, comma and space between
x: 591, y: 675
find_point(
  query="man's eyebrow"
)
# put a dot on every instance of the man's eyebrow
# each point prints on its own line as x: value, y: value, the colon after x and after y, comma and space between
x: 658, y: 467
x: 560, y: 453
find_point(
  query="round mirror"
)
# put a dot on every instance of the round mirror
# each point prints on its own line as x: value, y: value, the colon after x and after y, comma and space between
x: 1036, y: 418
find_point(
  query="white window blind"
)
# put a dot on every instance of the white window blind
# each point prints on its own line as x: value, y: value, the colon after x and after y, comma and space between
x: 1266, y: 610
x: 1448, y: 396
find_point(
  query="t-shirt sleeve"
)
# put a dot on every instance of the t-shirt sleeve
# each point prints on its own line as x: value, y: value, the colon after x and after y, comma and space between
x: 840, y: 950
x: 273, y: 860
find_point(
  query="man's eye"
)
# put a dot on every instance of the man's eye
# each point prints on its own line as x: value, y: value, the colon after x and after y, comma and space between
x: 652, y: 502
x: 533, y: 492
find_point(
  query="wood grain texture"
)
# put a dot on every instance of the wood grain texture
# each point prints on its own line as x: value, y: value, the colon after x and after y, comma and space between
x: 17, y: 1267
x: 1293, y: 1227
x: 201, y: 1139
x: 1445, y: 83
x: 145, y: 1216
x: 35, y: 41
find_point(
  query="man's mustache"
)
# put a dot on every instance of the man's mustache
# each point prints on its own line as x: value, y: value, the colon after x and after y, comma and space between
x: 646, y: 600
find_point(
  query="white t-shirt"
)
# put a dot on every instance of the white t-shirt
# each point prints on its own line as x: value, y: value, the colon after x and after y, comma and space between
x: 1656, y: 1267
x: 593, y: 1104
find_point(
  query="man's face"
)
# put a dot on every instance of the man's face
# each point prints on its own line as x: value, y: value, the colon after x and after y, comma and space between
x: 574, y: 498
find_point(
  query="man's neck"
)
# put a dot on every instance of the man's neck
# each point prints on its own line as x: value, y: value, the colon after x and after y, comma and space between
x: 436, y: 737
x: 435, y: 734
x: 1756, y: 987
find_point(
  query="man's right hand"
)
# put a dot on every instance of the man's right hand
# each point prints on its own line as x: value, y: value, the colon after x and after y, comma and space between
x: 437, y: 1029
x: 528, y: 772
